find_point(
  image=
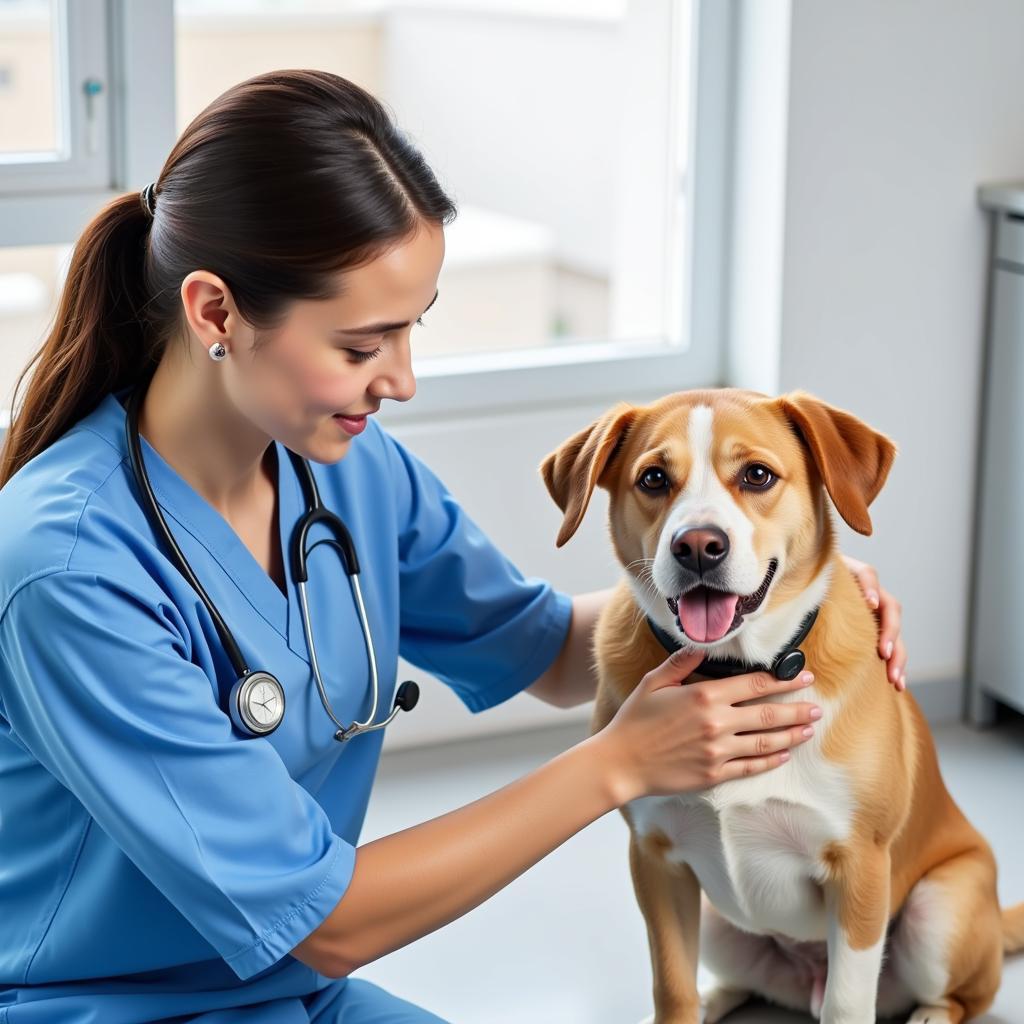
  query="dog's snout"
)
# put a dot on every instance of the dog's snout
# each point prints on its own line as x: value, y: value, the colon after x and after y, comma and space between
x: 699, y: 549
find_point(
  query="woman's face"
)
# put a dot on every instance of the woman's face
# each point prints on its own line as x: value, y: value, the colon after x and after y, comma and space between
x: 343, y: 355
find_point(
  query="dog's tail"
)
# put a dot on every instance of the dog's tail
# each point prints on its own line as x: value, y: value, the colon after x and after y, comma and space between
x: 1013, y: 928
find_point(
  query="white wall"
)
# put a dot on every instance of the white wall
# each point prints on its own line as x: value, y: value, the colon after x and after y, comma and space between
x: 897, y: 110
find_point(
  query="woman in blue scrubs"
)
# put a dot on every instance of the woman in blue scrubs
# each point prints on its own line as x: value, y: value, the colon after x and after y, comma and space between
x: 155, y: 863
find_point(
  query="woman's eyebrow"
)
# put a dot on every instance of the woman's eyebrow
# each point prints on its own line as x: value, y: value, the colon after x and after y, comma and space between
x: 380, y: 328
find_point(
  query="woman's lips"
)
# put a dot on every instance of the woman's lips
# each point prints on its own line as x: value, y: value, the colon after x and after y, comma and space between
x: 351, y: 424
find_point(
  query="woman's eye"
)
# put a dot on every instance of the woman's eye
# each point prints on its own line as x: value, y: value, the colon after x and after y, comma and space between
x: 361, y: 357
x: 758, y: 476
x: 653, y: 479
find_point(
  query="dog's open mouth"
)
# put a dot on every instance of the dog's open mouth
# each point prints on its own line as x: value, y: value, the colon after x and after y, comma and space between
x: 706, y: 615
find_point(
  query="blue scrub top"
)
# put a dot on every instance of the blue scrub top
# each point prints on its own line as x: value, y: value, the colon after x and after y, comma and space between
x: 147, y: 848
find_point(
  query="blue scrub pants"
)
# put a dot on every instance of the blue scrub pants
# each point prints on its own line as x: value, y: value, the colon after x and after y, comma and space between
x: 358, y: 1002
x: 346, y: 1001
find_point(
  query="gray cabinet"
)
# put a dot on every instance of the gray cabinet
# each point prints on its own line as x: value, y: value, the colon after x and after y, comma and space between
x: 996, y: 670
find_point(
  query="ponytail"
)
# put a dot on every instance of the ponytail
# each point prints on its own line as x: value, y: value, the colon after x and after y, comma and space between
x: 97, y: 342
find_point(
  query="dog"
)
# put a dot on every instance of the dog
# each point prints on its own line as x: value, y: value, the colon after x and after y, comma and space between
x: 844, y: 882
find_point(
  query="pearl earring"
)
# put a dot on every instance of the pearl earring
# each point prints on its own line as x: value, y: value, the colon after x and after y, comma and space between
x: 217, y: 352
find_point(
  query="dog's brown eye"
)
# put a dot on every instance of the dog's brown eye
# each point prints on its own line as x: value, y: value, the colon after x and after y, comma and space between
x: 653, y: 479
x: 757, y: 475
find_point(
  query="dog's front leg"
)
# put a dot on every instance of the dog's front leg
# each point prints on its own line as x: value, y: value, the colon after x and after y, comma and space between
x: 857, y: 899
x: 669, y: 897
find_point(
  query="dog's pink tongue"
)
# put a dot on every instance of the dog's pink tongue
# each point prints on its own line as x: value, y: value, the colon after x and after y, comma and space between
x: 706, y: 615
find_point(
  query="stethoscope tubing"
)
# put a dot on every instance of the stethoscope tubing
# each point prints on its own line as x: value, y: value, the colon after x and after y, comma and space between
x: 341, y: 541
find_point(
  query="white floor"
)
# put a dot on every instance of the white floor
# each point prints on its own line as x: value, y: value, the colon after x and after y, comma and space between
x: 565, y: 942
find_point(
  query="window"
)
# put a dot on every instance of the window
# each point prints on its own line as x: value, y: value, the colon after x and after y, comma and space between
x: 53, y: 111
x: 562, y: 128
x: 29, y: 66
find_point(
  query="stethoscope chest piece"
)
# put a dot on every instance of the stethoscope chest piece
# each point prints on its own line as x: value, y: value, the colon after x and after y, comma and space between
x: 256, y: 704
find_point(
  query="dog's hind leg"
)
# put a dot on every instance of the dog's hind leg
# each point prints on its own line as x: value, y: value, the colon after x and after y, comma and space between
x: 669, y: 898
x: 946, y: 946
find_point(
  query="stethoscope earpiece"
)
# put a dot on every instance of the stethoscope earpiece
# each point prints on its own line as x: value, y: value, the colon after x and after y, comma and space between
x: 256, y: 704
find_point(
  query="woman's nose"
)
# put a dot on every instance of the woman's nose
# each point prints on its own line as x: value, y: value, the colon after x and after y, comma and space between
x: 396, y: 379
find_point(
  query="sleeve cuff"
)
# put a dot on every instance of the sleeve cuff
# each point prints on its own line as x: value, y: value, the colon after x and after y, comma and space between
x: 301, y: 920
x: 545, y: 647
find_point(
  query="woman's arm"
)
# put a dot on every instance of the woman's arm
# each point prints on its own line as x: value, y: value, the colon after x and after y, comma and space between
x: 411, y: 883
x: 571, y: 678
x: 408, y: 884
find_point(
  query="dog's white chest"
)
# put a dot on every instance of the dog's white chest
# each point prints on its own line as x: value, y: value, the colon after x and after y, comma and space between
x: 755, y: 844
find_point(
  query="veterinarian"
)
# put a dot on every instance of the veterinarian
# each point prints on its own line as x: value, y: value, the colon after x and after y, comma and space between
x: 193, y: 687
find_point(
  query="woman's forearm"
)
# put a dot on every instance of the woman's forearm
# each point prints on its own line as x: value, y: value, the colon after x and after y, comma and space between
x: 409, y: 884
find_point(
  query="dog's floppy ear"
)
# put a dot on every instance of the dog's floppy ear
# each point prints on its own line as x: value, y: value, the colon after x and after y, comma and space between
x: 572, y: 471
x: 853, y: 459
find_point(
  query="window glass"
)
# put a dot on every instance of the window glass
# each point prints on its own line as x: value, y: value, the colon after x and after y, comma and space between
x: 529, y: 114
x: 29, y: 115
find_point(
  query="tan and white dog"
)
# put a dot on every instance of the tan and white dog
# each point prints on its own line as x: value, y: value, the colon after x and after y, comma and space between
x: 845, y: 882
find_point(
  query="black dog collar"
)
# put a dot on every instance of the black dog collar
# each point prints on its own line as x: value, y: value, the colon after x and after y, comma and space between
x: 787, y: 664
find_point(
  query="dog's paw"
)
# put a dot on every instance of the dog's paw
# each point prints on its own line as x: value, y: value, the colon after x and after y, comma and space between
x: 720, y: 1001
x: 929, y: 1015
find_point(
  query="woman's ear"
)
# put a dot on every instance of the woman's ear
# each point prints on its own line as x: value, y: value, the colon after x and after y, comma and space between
x: 572, y: 471
x: 852, y: 458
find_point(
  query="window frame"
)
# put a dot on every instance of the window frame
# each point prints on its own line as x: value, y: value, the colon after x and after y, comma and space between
x: 140, y: 88
x: 81, y: 52
x: 123, y: 45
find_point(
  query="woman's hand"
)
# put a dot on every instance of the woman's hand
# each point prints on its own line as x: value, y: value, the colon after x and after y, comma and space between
x: 667, y: 738
x: 887, y: 609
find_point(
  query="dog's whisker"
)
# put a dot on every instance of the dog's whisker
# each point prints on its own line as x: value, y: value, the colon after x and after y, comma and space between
x: 645, y: 575
x: 647, y: 562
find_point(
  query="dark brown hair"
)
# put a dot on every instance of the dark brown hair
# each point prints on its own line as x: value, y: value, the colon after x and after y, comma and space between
x: 280, y: 183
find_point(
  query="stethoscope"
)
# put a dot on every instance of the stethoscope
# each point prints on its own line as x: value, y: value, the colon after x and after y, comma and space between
x: 256, y: 704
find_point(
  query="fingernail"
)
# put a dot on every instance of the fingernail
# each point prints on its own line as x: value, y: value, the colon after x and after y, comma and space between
x: 809, y: 731
x: 784, y: 756
x: 873, y: 598
x: 815, y: 712
x: 888, y: 649
x: 807, y: 677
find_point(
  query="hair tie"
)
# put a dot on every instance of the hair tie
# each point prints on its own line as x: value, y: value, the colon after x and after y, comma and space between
x: 147, y: 198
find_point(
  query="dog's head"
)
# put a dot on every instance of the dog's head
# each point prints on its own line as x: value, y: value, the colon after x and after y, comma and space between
x: 717, y: 503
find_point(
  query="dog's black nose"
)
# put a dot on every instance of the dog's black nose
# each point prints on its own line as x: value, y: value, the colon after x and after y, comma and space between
x: 700, y: 549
